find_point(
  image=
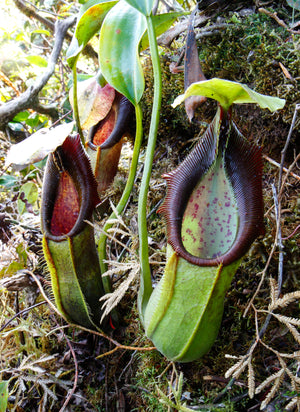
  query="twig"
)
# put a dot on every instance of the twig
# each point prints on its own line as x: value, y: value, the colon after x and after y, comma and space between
x: 21, y: 312
x: 102, y: 334
x: 31, y: 13
x: 284, y: 150
x: 211, y: 30
x: 278, y: 20
x: 277, y: 210
x: 167, y: 38
x: 277, y: 204
x: 29, y: 97
x: 126, y: 367
x: 287, y: 174
x: 284, y: 169
x: 292, y: 234
x: 263, y: 274
x: 278, y: 242
x: 72, y: 391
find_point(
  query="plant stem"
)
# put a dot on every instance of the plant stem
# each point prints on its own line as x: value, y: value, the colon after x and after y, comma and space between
x: 124, y: 199
x: 75, y: 104
x: 145, y: 281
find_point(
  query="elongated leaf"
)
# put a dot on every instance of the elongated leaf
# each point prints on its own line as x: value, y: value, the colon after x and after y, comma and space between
x: 143, y: 6
x: 161, y: 23
x: 192, y: 70
x: 40, y: 31
x: 90, y: 19
x: 120, y: 37
x: 227, y: 92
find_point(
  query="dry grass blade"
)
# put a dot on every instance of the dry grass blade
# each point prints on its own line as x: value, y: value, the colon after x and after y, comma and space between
x: 111, y: 300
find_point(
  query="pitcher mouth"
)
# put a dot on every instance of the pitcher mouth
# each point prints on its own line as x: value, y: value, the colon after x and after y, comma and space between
x: 69, y: 191
x: 241, y: 162
x: 112, y: 128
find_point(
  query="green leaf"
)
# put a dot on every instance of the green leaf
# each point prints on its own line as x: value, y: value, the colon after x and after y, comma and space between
x: 37, y: 61
x: 143, y: 6
x: 227, y: 92
x: 21, y: 117
x: 12, y: 268
x: 161, y: 23
x: 28, y: 194
x: 295, y: 4
x: 22, y: 253
x: 33, y: 120
x: 40, y: 31
x: 8, y: 181
x: 90, y: 18
x: 3, y: 395
x: 120, y: 37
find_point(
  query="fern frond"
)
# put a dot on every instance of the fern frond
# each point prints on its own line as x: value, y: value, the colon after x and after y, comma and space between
x: 233, y: 368
x: 294, y: 332
x: 273, y: 291
x: 291, y: 405
x: 120, y: 267
x: 285, y: 300
x: 287, y: 319
x: 267, y: 381
x: 228, y: 356
x: 251, y: 380
x: 239, y: 371
x: 273, y: 390
x: 112, y: 299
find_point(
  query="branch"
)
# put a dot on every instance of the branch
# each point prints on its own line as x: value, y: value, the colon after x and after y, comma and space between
x: 49, y: 110
x: 167, y: 38
x: 278, y: 20
x: 30, y: 12
x: 29, y: 98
